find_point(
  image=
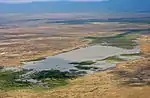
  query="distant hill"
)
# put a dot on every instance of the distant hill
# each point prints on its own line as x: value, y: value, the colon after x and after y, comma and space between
x: 129, y: 6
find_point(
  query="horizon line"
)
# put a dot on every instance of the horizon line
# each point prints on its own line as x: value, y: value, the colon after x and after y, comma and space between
x: 75, y: 1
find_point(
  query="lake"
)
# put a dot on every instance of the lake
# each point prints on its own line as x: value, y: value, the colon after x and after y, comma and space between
x: 95, y: 52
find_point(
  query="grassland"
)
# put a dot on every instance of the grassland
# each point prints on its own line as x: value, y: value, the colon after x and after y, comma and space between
x: 14, y: 80
x: 83, y: 63
x: 32, y: 43
x: 128, y: 80
x: 36, y: 59
x: 25, y: 43
x: 8, y: 80
x: 112, y: 59
x: 125, y: 40
x: 132, y: 54
x: 86, y: 67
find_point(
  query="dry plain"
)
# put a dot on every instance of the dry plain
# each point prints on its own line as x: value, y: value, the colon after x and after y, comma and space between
x: 31, y: 42
x: 129, y: 79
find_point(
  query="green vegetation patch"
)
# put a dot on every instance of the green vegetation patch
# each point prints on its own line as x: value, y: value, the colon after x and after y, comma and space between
x: 53, y: 74
x: 1, y: 67
x: 113, y: 59
x: 125, y: 40
x: 132, y: 54
x: 83, y: 63
x: 54, y: 83
x: 8, y: 80
x: 52, y: 78
x: 86, y: 67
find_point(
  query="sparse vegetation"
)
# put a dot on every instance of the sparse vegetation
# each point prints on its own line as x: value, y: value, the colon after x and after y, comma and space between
x: 1, y: 67
x: 83, y: 63
x: 55, y: 74
x: 133, y: 54
x: 125, y: 40
x: 53, y: 83
x: 8, y: 80
x: 86, y: 67
x: 113, y: 59
x: 37, y: 59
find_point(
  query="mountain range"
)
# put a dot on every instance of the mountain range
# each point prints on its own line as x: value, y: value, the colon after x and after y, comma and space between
x: 110, y: 6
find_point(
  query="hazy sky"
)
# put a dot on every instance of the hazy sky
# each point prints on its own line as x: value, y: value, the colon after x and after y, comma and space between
x: 98, y: 6
x: 24, y: 1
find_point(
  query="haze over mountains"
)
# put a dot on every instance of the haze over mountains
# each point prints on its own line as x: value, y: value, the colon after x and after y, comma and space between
x: 108, y: 6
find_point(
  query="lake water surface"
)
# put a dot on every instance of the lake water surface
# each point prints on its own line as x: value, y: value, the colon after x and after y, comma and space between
x: 96, y: 52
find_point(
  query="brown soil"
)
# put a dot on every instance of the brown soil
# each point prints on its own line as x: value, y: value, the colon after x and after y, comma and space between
x: 13, y: 54
x: 24, y: 43
x: 129, y: 80
x: 145, y: 44
x: 19, y: 43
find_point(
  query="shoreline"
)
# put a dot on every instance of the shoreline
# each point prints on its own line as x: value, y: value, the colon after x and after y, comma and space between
x: 45, y: 54
x: 51, y: 54
x: 99, y: 82
x: 57, y: 53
